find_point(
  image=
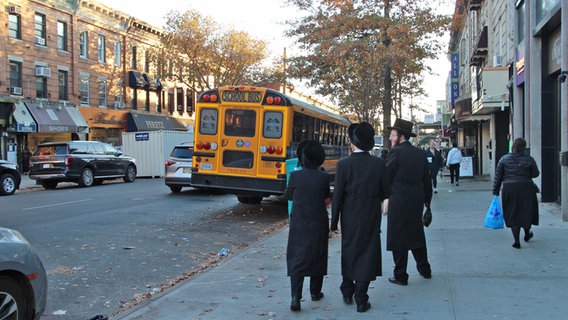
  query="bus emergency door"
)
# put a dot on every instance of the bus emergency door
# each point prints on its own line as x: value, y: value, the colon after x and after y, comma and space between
x: 238, y: 145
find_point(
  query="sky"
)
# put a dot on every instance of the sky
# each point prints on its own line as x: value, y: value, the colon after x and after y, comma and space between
x: 264, y: 20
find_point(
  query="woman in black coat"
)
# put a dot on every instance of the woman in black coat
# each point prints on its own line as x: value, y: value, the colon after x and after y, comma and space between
x: 515, y: 172
x: 360, y: 187
x: 307, y: 250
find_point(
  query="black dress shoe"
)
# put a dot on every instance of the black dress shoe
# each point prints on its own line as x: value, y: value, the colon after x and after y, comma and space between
x: 317, y: 296
x: 528, y: 236
x: 426, y: 275
x: 516, y: 245
x: 295, y: 305
x: 397, y: 281
x: 348, y: 299
x: 363, y: 307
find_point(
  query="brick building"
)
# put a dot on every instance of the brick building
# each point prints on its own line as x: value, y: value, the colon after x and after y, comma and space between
x: 77, y: 69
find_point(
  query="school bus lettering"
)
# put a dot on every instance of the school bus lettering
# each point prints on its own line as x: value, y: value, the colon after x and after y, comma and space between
x: 241, y: 96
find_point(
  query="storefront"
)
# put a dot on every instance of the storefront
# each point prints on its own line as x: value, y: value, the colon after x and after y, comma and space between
x: 105, y: 125
x: 148, y: 122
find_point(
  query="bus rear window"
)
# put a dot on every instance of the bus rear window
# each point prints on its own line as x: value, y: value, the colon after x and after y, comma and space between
x: 208, y: 121
x: 240, y: 123
x: 272, y: 125
x: 238, y: 159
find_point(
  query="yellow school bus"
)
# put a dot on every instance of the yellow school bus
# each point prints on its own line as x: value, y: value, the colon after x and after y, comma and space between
x: 245, y: 136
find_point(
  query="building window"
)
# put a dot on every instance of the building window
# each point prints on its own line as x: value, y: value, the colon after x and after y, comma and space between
x: 102, y: 86
x: 62, y: 35
x: 133, y: 58
x: 41, y: 87
x: 14, y: 26
x: 101, y: 49
x: 63, y: 85
x: 117, y: 54
x: 84, y: 91
x: 15, y: 74
x: 146, y: 61
x: 84, y: 45
x: 39, y: 25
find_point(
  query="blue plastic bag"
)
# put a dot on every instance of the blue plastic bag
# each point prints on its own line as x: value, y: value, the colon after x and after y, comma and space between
x: 494, y: 216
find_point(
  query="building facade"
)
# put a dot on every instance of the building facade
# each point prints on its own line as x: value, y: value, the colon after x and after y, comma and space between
x: 76, y: 69
x: 509, y: 67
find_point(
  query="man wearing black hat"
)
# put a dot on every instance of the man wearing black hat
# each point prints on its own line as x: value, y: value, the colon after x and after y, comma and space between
x: 360, y: 187
x: 309, y: 224
x: 411, y: 190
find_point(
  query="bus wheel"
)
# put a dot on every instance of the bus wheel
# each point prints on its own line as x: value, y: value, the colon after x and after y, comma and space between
x: 249, y: 200
x: 243, y: 199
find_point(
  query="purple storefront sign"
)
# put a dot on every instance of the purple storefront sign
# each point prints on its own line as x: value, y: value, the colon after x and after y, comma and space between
x: 455, y: 78
x: 520, y: 65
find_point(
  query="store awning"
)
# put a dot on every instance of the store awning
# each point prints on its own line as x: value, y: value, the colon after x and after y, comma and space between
x: 51, y: 118
x: 24, y: 122
x: 148, y: 122
x: 137, y: 80
x: 82, y: 126
x: 182, y: 124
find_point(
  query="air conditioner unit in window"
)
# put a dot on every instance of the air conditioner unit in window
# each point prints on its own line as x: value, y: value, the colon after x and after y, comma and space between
x: 43, y: 72
x: 497, y: 61
x: 40, y: 41
x: 117, y: 105
x: 15, y: 9
x: 16, y: 90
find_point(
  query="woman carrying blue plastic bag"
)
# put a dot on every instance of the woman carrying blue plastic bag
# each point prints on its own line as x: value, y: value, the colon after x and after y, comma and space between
x: 515, y: 172
x: 494, y: 216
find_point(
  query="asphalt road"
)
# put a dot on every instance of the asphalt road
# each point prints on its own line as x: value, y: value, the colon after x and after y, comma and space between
x: 110, y: 246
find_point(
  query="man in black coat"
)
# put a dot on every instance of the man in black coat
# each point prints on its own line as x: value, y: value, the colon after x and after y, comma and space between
x: 360, y: 187
x: 411, y: 190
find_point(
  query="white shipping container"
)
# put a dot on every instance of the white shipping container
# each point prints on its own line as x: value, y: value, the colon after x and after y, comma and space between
x: 152, y: 148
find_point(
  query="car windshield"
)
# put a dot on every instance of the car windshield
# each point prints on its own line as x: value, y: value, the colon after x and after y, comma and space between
x: 51, y: 150
x: 182, y: 152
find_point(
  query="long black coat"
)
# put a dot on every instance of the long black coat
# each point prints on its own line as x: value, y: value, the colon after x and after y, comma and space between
x: 411, y: 188
x: 360, y: 187
x: 309, y: 223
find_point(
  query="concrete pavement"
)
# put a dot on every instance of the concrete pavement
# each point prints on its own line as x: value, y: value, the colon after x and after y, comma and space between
x: 476, y: 274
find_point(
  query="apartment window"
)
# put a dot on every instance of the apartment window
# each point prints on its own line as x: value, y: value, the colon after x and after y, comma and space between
x: 117, y: 54
x: 84, y: 45
x: 39, y: 25
x: 133, y: 58
x: 41, y: 87
x: 15, y: 74
x: 102, y: 86
x: 62, y: 35
x: 63, y: 85
x: 146, y: 61
x: 101, y: 49
x: 84, y: 90
x: 14, y: 26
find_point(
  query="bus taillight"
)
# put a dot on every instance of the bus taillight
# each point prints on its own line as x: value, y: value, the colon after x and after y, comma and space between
x: 197, y: 159
x: 206, y: 146
x: 270, y: 149
x: 209, y: 98
x: 199, y: 145
x: 278, y: 150
x: 278, y: 165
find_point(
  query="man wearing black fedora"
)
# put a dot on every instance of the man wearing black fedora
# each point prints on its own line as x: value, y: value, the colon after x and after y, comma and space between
x: 411, y: 191
x: 360, y: 187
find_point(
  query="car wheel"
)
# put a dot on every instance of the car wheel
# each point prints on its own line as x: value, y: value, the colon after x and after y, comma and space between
x: 175, y: 189
x: 255, y: 200
x: 49, y: 185
x: 8, y: 184
x: 130, y: 175
x: 243, y: 199
x: 13, y: 298
x: 87, y: 178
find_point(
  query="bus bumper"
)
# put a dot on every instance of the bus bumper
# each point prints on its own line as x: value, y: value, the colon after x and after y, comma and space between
x: 239, y: 185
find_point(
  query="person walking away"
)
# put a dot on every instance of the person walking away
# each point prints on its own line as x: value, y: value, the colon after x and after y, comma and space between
x: 435, y: 162
x: 26, y: 155
x: 411, y: 191
x: 453, y: 163
x: 360, y: 187
x: 515, y: 172
x: 307, y: 250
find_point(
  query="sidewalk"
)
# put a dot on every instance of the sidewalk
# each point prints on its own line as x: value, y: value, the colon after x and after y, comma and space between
x: 476, y: 274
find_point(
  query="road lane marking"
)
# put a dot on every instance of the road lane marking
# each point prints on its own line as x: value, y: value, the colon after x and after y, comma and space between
x: 55, y: 204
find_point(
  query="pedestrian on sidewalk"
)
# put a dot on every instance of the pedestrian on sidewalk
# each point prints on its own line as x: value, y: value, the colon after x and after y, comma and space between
x: 515, y: 172
x: 307, y: 250
x: 435, y: 162
x: 453, y: 163
x: 411, y: 191
x: 360, y: 187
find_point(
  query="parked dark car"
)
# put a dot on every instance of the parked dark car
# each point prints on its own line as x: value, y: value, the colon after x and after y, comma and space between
x: 23, y: 280
x: 178, y: 167
x: 9, y: 177
x: 84, y: 162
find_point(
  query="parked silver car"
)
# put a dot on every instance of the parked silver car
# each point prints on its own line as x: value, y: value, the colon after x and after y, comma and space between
x: 23, y: 281
x: 178, y: 167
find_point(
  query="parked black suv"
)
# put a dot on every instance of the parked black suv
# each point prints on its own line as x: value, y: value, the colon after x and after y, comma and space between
x: 82, y: 162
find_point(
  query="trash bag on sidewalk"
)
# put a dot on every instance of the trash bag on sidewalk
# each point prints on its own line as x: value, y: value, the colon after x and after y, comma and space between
x: 494, y: 216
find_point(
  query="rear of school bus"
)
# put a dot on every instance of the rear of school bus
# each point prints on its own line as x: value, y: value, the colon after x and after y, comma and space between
x: 242, y: 140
